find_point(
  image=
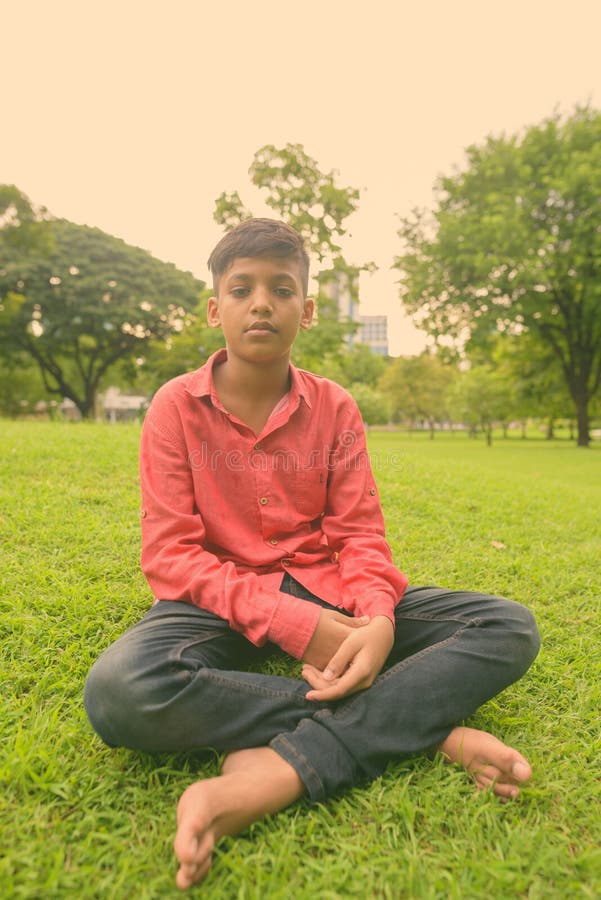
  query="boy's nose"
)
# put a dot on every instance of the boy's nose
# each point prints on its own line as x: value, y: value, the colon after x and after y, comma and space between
x: 261, y: 300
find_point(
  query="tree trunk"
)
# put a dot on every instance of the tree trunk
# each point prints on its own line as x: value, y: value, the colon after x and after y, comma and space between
x: 87, y: 405
x: 523, y: 431
x: 487, y: 428
x: 550, y: 428
x: 582, y: 419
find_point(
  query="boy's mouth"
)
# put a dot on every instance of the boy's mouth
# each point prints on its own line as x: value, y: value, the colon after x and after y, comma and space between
x: 261, y: 326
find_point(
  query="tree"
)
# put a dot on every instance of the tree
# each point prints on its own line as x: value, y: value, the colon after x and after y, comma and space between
x: 180, y: 353
x: 514, y: 246
x: 373, y: 404
x: 360, y: 365
x: 481, y: 397
x: 21, y: 386
x: 87, y: 304
x: 23, y: 227
x: 323, y: 343
x: 529, y: 367
x: 300, y: 193
x: 417, y: 388
x: 230, y: 211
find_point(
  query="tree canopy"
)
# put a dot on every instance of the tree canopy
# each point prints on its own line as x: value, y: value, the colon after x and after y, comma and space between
x: 481, y: 397
x: 23, y: 228
x: 182, y: 352
x: 300, y: 193
x: 417, y: 388
x: 514, y: 246
x: 85, y: 301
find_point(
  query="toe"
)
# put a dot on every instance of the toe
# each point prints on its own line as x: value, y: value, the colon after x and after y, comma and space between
x: 506, y: 791
x: 491, y: 778
x: 513, y: 765
x: 485, y: 776
x: 185, y: 877
x: 520, y: 770
x: 190, y: 875
x: 186, y: 846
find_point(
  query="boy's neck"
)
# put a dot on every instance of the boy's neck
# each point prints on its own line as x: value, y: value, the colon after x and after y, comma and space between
x: 251, y: 380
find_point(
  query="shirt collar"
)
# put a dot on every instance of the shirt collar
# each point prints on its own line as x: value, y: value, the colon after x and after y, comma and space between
x: 201, y: 382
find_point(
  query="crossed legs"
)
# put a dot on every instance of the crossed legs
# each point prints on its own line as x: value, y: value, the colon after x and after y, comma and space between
x: 170, y: 684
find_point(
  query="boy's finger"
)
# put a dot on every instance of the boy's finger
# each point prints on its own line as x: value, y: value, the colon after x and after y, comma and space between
x: 315, y: 678
x: 349, y: 684
x: 312, y: 672
x: 342, y: 659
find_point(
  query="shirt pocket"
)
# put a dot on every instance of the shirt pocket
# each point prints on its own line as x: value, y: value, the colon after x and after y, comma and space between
x: 310, y: 488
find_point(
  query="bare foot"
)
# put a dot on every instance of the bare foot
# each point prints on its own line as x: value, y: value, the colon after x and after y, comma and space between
x: 253, y: 784
x: 490, y: 762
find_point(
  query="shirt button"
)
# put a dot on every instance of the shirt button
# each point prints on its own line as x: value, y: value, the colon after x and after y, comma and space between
x: 143, y: 514
x: 263, y: 501
x: 257, y: 447
x: 372, y: 491
x: 273, y: 541
x: 285, y: 562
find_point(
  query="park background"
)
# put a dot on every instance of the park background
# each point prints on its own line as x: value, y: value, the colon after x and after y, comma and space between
x: 134, y: 119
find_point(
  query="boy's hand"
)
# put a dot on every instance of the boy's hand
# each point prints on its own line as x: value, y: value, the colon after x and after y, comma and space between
x: 332, y: 630
x: 356, y: 664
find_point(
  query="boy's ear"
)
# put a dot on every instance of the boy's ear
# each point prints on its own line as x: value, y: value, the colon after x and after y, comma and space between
x: 307, y: 316
x: 213, y: 317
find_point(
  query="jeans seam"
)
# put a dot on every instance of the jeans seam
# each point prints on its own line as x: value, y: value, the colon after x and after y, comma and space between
x: 310, y: 776
x: 176, y: 653
x: 212, y: 674
x: 477, y: 620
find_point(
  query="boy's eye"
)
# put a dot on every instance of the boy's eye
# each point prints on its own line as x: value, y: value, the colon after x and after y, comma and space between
x: 283, y: 292
x: 239, y: 292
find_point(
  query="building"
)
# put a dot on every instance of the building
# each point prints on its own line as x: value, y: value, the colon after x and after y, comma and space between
x: 373, y: 331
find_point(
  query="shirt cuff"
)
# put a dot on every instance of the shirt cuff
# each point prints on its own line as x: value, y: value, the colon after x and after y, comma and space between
x: 376, y: 604
x: 293, y: 623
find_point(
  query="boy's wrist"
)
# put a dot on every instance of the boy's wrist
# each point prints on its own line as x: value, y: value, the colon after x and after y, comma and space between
x: 381, y: 618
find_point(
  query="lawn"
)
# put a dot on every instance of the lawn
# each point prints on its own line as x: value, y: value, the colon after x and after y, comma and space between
x: 522, y: 518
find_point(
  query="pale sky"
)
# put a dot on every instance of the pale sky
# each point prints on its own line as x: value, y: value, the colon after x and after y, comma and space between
x: 134, y: 116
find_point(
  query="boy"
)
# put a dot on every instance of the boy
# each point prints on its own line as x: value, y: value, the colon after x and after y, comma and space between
x: 261, y: 526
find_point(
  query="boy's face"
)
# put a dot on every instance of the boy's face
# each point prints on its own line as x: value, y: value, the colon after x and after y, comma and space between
x: 260, y: 306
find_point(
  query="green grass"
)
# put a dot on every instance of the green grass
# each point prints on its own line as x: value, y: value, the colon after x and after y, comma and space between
x: 82, y: 821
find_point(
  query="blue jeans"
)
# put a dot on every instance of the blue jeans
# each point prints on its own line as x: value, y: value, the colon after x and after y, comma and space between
x: 178, y: 680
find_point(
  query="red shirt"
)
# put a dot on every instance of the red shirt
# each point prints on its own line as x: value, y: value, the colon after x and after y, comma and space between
x: 225, y: 513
